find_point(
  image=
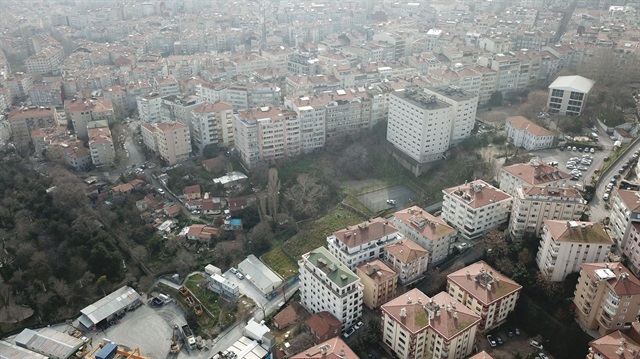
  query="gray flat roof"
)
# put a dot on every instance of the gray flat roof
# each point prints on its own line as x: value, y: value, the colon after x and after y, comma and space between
x: 12, y: 351
x: 456, y: 94
x: 49, y: 342
x: 105, y: 307
x: 421, y: 99
x: 261, y: 276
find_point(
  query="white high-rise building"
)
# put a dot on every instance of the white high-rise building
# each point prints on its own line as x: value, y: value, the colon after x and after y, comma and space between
x: 567, y: 244
x: 464, y: 107
x: 212, y: 123
x: 328, y: 285
x: 311, y: 113
x: 424, y: 123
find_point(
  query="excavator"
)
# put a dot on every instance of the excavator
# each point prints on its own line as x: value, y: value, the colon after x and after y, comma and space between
x: 175, y: 344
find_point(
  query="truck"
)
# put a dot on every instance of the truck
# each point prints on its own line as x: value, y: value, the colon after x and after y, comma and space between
x: 189, y: 338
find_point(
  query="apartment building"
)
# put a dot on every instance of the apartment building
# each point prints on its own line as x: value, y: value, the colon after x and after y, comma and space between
x: 46, y: 95
x: 77, y: 156
x: 363, y: 242
x: 419, y: 126
x: 212, y: 124
x: 252, y: 95
x: 171, y: 141
x: 464, y: 106
x: 166, y: 85
x: 607, y: 297
x: 568, y: 94
x: 24, y: 120
x: 617, y: 345
x: 149, y: 106
x: 311, y: 113
x: 416, y: 326
x: 533, y: 205
x: 266, y: 134
x: 567, y: 244
x: 408, y: 259
x: 45, y: 61
x: 533, y: 173
x: 332, y: 348
x: 486, y: 292
x: 379, y: 283
x: 83, y: 111
x: 428, y: 231
x: 475, y: 208
x: 212, y: 92
x: 101, y: 144
x: 19, y: 84
x: 625, y: 211
x: 328, y: 285
x: 178, y: 107
x: 523, y: 133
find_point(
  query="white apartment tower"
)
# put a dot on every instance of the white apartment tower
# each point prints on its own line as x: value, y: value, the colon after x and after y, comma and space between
x: 266, y: 134
x: 534, y: 204
x: 311, y: 114
x: 464, y: 107
x: 212, y: 123
x: 567, y: 244
x: 328, y: 285
x: 363, y: 242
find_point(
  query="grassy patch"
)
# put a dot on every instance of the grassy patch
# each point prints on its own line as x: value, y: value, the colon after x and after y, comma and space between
x: 315, y: 234
x: 352, y: 200
x: 210, y: 300
x: 303, y: 164
x: 280, y: 262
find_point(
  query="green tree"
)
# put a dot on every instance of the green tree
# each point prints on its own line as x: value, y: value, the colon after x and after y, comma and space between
x: 496, y: 99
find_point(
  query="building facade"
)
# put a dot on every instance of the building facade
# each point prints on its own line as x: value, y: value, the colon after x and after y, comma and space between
x: 379, y: 283
x: 408, y: 259
x: 416, y: 326
x: 567, y: 244
x: 533, y: 205
x: 363, y: 242
x: 607, y: 297
x: 23, y: 121
x: 430, y: 232
x: 171, y: 141
x: 523, y: 133
x: 568, y: 94
x: 212, y: 124
x: 475, y: 208
x: 486, y: 292
x: 328, y: 285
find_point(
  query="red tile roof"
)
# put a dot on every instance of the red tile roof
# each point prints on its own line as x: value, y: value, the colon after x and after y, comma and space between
x: 612, y: 346
x: 577, y: 231
x: 536, y: 173
x: 523, y: 123
x: 423, y: 222
x: 474, y: 279
x: 624, y: 282
x: 365, y: 232
x: 479, y: 192
x: 334, y: 348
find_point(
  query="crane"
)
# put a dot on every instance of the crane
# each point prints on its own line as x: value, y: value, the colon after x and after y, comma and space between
x: 175, y: 345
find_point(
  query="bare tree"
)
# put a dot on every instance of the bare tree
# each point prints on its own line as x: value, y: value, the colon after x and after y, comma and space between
x: 273, y: 192
x: 535, y: 103
x: 306, y: 196
x: 300, y: 342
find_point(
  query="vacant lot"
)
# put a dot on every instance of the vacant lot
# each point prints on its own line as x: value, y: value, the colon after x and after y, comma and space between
x: 377, y: 200
x: 280, y: 262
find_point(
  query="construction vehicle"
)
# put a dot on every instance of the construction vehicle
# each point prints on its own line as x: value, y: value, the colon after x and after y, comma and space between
x: 190, y: 301
x: 108, y: 350
x: 74, y: 331
x: 198, y: 309
x: 175, y: 345
x: 189, y: 338
x: 184, y: 291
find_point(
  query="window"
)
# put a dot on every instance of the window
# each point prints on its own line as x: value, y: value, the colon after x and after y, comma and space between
x: 557, y: 93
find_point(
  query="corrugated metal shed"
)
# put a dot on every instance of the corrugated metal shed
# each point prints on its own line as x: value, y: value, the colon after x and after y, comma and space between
x: 49, y: 342
x: 107, y: 306
x: 261, y: 276
x: 12, y: 351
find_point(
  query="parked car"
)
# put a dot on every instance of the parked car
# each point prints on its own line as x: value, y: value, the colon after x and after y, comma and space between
x: 509, y: 332
x: 535, y: 344
x: 621, y: 170
x: 517, y: 331
x: 391, y: 202
x: 233, y: 270
x: 574, y: 148
x: 359, y: 325
x: 348, y: 333
x: 542, y: 356
x: 606, y: 159
x: 499, y: 340
x: 583, y: 168
x: 605, y: 197
x: 239, y: 275
x: 157, y: 302
x: 491, y: 341
x: 160, y: 190
x: 592, y: 150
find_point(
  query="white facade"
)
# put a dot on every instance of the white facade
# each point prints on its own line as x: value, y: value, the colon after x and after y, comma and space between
x: 149, y: 107
x: 625, y: 210
x: 464, y: 107
x: 312, y: 123
x: 266, y: 134
x: 362, y: 242
x: 328, y: 285
x: 419, y: 125
x: 533, y: 205
x: 212, y: 124
x: 567, y: 95
x: 523, y: 133
x: 430, y: 232
x: 567, y: 244
x: 475, y: 208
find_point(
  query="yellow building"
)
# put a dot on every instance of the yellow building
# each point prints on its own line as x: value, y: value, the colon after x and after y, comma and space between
x: 379, y: 282
x: 607, y: 297
x: 416, y: 326
x: 484, y: 290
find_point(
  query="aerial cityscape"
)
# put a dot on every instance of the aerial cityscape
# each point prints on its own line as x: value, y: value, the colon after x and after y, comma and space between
x: 324, y: 179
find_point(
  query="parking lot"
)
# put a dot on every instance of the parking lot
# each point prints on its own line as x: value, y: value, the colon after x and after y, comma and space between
x: 563, y: 156
x: 377, y: 200
x: 511, y: 345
